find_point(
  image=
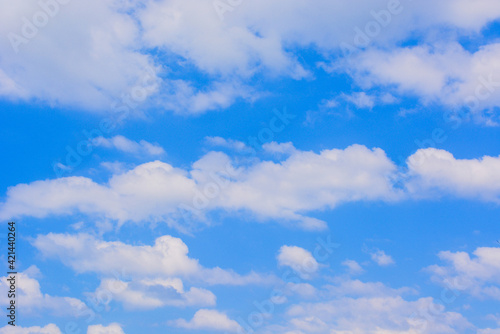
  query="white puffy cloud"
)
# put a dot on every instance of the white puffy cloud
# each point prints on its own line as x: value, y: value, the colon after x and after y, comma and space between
x: 438, y: 171
x: 353, y: 267
x: 341, y: 104
x: 156, y: 191
x: 126, y: 145
x: 307, y: 181
x: 34, y: 301
x: 287, y: 190
x: 360, y: 100
x: 489, y: 331
x: 151, y: 191
x: 372, y: 315
x: 352, y: 306
x: 381, y: 258
x: 227, y: 143
x: 211, y: 320
x: 447, y: 74
x: 279, y: 148
x: 49, y: 329
x: 39, y: 62
x: 143, y: 277
x: 494, y: 317
x: 478, y: 275
x: 114, y: 67
x: 299, y: 259
x: 304, y: 290
x: 300, y: 182
x: 167, y: 258
x: 110, y: 41
x: 100, y: 329
x: 53, y: 329
x: 154, y: 293
x: 227, y: 48
x: 182, y: 97
x: 461, y: 14
x: 346, y: 287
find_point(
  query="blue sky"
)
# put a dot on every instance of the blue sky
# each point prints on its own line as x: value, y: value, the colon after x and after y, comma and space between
x: 258, y: 167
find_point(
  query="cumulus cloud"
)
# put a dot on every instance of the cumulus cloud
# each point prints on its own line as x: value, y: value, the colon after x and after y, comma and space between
x: 34, y: 301
x: 489, y: 331
x: 49, y: 329
x: 478, y: 275
x: 100, y: 38
x: 346, y: 287
x: 279, y: 148
x: 447, y: 74
x: 143, y: 277
x: 211, y: 320
x: 342, y: 104
x: 53, y: 329
x: 381, y: 258
x: 182, y: 97
x: 307, y: 181
x: 115, y: 69
x: 228, y: 48
x: 155, y: 293
x: 100, y: 329
x: 156, y: 191
x: 299, y: 259
x: 111, y: 41
x: 151, y: 191
x: 167, y: 258
x: 287, y: 190
x: 372, y: 315
x: 438, y: 171
x: 352, y: 306
x: 126, y: 145
x: 361, y: 100
x: 227, y: 143
x: 304, y: 290
x: 353, y: 267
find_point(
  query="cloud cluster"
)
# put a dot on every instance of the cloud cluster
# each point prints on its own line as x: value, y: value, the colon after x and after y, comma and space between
x: 49, y: 329
x: 111, y: 41
x: 381, y: 258
x: 126, y: 145
x: 478, y: 275
x: 53, y: 329
x: 168, y: 257
x: 370, y: 315
x: 299, y: 259
x: 155, y: 293
x: 353, y: 306
x: 142, y: 277
x: 34, y: 301
x: 100, y: 329
x: 47, y: 38
x: 211, y: 320
x: 353, y: 267
x: 301, y: 182
x: 438, y: 171
x: 447, y: 74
